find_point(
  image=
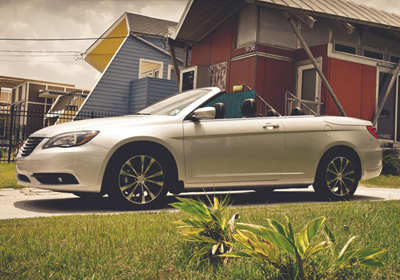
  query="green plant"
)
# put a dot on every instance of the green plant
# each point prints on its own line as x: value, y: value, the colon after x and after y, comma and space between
x: 210, y: 228
x: 290, y: 253
x: 390, y: 161
x: 348, y: 257
x: 279, y: 246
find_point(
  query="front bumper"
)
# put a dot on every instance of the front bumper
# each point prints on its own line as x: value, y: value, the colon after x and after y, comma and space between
x: 75, y: 169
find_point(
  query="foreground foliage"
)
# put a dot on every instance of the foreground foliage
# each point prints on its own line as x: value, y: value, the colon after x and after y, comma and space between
x: 209, y: 228
x: 290, y: 253
x: 145, y: 245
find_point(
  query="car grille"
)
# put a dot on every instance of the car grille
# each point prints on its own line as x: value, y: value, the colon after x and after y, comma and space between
x: 30, y: 145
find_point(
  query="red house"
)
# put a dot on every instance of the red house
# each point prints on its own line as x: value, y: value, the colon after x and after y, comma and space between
x: 263, y: 44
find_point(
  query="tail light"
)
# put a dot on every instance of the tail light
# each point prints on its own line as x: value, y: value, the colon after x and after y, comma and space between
x: 373, y: 132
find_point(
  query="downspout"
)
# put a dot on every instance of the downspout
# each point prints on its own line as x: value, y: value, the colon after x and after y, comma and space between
x: 314, y: 62
x: 385, y: 97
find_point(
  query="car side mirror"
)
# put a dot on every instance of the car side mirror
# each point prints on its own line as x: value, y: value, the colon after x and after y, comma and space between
x: 204, y: 113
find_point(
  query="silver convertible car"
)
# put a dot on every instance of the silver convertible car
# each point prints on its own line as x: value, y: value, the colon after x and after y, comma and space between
x: 185, y: 143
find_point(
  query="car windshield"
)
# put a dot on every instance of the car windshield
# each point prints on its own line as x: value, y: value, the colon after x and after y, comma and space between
x: 172, y: 105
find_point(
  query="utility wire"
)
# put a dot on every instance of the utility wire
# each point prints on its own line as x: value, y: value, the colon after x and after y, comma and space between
x: 60, y: 39
x: 37, y: 51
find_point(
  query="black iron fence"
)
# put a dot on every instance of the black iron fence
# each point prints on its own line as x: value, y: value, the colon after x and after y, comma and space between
x: 16, y: 124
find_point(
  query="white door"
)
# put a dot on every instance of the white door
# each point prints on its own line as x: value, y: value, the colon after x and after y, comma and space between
x: 233, y: 150
x: 308, y: 87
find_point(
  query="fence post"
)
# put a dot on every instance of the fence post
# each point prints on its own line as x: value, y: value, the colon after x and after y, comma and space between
x: 92, y: 115
x: 10, y: 137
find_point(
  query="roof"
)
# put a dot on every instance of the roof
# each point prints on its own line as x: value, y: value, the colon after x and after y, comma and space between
x: 100, y: 53
x: 139, y: 24
x: 10, y: 82
x: 341, y: 10
x: 202, y: 17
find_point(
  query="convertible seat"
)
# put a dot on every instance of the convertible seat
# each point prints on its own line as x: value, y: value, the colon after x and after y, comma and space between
x: 272, y: 113
x: 249, y: 108
x: 297, y: 111
x: 219, y: 110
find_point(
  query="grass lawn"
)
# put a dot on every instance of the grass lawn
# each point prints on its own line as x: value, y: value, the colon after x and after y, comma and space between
x: 383, y: 181
x: 7, y: 176
x: 145, y: 245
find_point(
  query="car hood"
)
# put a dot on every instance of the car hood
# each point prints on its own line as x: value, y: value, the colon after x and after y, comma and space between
x: 102, y: 124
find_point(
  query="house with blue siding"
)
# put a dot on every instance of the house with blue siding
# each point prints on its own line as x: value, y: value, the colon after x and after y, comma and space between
x: 134, y: 58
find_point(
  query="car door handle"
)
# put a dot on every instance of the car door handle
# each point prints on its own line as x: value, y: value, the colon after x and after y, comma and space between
x: 270, y: 125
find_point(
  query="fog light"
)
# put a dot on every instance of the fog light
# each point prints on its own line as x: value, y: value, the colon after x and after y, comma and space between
x: 56, y: 178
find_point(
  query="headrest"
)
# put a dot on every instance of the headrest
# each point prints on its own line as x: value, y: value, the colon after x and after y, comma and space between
x: 272, y: 113
x: 249, y: 108
x: 297, y: 111
x: 219, y: 110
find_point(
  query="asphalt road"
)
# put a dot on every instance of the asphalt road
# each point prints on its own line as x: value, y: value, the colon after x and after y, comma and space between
x: 29, y: 203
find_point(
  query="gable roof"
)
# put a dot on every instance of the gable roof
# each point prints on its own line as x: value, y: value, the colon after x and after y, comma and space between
x: 100, y: 53
x: 200, y: 19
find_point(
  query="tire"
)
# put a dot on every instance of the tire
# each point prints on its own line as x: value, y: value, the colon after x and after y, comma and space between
x: 140, y: 180
x: 337, y: 177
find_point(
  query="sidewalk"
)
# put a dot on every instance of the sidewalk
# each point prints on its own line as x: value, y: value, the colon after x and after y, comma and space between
x: 30, y: 202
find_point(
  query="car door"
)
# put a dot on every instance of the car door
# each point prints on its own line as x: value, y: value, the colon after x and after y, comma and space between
x: 233, y: 150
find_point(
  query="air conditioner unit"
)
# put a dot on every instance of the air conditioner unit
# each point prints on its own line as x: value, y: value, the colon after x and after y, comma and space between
x: 194, y: 77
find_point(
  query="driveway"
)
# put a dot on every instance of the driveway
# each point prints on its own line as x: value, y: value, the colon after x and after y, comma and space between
x: 29, y: 202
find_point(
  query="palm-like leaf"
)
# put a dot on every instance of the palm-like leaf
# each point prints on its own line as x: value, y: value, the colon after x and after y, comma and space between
x: 348, y: 257
x: 209, y: 226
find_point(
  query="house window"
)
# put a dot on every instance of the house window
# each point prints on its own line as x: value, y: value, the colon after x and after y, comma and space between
x: 395, y: 59
x: 275, y: 30
x: 247, y: 27
x: 171, y: 72
x: 375, y: 55
x: 345, y: 49
x: 150, y: 68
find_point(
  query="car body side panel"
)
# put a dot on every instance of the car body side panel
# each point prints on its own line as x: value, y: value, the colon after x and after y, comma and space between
x: 308, y: 138
x: 233, y: 150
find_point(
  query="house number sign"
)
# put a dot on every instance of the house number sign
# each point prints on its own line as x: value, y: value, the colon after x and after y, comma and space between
x: 250, y: 48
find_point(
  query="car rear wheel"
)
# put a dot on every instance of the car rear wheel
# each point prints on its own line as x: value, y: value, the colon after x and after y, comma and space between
x: 337, y: 177
x: 140, y: 181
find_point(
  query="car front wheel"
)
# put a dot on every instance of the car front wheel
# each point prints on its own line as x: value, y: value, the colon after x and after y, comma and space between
x: 337, y: 177
x: 140, y: 181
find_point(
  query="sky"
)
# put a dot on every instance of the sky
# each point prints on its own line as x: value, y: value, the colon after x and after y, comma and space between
x: 54, y: 19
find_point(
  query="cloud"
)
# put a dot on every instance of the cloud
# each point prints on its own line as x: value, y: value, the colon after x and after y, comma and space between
x: 65, y: 19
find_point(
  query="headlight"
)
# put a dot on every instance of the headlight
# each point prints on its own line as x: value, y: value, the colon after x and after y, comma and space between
x: 70, y: 139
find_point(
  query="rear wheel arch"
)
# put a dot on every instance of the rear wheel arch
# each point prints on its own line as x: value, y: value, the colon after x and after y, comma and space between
x: 134, y: 147
x: 346, y: 150
x: 338, y: 173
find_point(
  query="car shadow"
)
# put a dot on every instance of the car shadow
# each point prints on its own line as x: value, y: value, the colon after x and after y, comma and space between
x: 65, y: 206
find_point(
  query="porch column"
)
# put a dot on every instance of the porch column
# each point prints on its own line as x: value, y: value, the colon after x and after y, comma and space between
x: 314, y: 62
x: 392, y: 81
x: 174, y: 60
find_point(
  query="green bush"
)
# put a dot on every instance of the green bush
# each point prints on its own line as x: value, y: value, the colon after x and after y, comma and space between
x: 390, y: 162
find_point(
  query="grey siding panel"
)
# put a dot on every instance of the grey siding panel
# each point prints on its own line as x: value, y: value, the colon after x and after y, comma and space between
x: 148, y: 91
x: 112, y: 94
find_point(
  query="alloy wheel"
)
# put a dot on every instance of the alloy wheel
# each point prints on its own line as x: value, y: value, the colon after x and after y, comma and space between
x: 340, y: 176
x: 141, y: 179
